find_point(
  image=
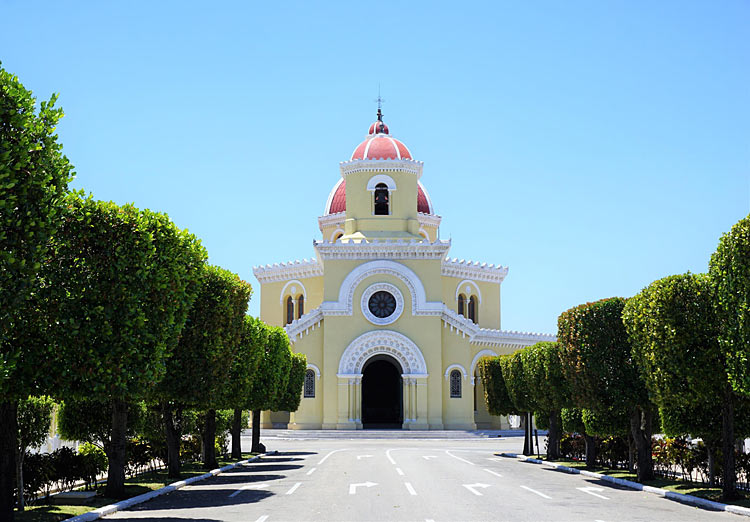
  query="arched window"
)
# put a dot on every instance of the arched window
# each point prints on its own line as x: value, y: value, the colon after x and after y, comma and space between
x: 289, y: 309
x: 300, y: 306
x: 455, y: 384
x: 461, y: 300
x: 381, y: 199
x: 338, y: 236
x: 309, y: 384
x: 473, y: 309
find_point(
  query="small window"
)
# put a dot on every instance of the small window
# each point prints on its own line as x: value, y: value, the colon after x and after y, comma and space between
x: 289, y: 310
x: 455, y: 382
x: 338, y: 236
x: 309, y: 384
x: 473, y: 309
x: 300, y: 306
x: 381, y: 199
x: 461, y: 300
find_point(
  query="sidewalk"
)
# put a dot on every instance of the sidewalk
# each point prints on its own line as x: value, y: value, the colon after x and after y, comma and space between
x: 274, y: 433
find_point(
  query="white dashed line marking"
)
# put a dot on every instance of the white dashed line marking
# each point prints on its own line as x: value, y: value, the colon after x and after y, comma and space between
x: 293, y: 488
x: 493, y: 472
x: 249, y: 486
x: 459, y: 458
x: 311, y: 471
x: 262, y: 519
x: 410, y: 488
x: 591, y: 491
x: 398, y: 470
x: 536, y: 492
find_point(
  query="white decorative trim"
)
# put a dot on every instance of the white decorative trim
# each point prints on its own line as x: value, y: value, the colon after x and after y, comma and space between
x: 379, y: 287
x: 313, y: 367
x: 419, y: 303
x: 490, y: 336
x: 386, y: 342
x: 473, y: 270
x: 331, y: 219
x: 399, y: 249
x: 304, y: 325
x: 475, y: 360
x: 292, y: 282
x: 326, y: 211
x: 427, y: 196
x: 337, y: 231
x: 423, y: 233
x: 452, y: 367
x: 284, y: 271
x: 390, y: 165
x: 468, y: 293
x: 381, y: 178
x: 428, y: 220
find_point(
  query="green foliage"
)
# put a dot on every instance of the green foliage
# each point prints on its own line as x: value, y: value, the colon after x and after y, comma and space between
x: 94, y: 462
x: 596, y: 357
x: 273, y: 371
x: 495, y: 391
x: 544, y: 376
x: 606, y: 423
x: 292, y: 394
x: 34, y: 415
x: 541, y: 420
x: 729, y: 270
x: 91, y: 421
x: 247, y: 358
x: 34, y: 175
x: 572, y: 420
x: 514, y: 375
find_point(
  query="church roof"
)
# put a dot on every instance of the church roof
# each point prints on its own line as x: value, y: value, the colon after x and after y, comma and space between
x: 379, y: 145
x: 337, y: 199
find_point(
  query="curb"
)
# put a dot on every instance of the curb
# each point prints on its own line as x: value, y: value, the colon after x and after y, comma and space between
x: 679, y: 497
x: 129, y: 502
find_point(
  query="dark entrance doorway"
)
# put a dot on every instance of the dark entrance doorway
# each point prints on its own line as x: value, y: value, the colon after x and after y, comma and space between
x: 382, y: 391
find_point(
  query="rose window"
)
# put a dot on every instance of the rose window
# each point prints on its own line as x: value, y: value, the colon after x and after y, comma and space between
x: 382, y: 304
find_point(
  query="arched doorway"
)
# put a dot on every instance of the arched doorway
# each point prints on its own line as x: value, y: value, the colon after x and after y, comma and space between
x: 382, y: 394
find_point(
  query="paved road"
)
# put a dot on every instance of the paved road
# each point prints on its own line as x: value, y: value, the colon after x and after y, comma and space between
x: 406, y: 480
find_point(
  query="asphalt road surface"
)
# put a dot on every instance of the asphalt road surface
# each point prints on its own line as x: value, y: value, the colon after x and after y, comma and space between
x: 406, y: 480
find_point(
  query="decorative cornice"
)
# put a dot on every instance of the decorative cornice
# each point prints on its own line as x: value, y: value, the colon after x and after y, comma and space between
x: 291, y: 270
x: 429, y: 220
x: 473, y: 270
x: 390, y: 249
x: 390, y: 165
x: 304, y: 325
x: 331, y: 219
x: 490, y: 336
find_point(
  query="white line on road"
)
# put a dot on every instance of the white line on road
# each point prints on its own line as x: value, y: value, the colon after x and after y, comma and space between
x: 262, y: 519
x: 590, y: 491
x: 410, y: 488
x: 311, y: 471
x: 398, y: 470
x: 535, y: 491
x: 459, y: 458
x: 353, y: 487
x: 472, y: 488
x: 496, y: 459
x: 360, y: 457
x: 331, y: 453
x: 428, y: 457
x: 293, y: 488
x: 249, y: 486
x: 493, y: 472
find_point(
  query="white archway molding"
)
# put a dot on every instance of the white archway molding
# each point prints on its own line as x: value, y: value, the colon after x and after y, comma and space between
x: 292, y: 290
x: 483, y: 353
x: 315, y: 369
x: 452, y: 367
x: 419, y: 303
x: 383, y: 342
x: 381, y: 178
x: 335, y: 233
x: 472, y: 286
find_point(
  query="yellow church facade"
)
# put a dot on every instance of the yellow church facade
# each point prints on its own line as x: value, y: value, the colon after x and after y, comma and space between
x: 391, y: 326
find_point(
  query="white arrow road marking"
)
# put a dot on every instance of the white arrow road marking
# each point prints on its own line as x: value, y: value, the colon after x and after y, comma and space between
x: 248, y: 486
x: 428, y: 457
x: 493, y: 472
x: 459, y: 458
x: 262, y: 519
x: 590, y: 491
x: 353, y: 487
x: 360, y: 457
x: 331, y: 453
x: 535, y: 491
x: 293, y: 488
x: 471, y: 487
x: 398, y: 470
x: 410, y: 488
x: 311, y: 471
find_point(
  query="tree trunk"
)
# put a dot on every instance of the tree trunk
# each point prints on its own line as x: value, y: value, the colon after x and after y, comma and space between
x: 631, y: 453
x: 19, y: 476
x: 174, y: 437
x: 728, y: 491
x: 711, y: 476
x: 236, y: 434
x: 640, y: 426
x: 116, y: 454
x: 257, y: 447
x: 528, y: 441
x: 553, y: 436
x: 8, y: 442
x: 209, y: 441
x: 590, y: 450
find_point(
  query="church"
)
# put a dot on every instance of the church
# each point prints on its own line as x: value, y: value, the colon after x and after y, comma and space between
x: 391, y: 326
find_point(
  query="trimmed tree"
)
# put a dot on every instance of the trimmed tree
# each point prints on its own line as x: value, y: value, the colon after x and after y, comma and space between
x: 291, y: 396
x: 519, y: 392
x: 34, y: 414
x: 271, y: 379
x: 495, y: 391
x: 598, y: 365
x: 674, y: 333
x: 34, y: 176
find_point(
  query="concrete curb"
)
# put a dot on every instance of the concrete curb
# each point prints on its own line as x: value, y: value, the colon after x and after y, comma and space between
x: 140, y: 499
x: 679, y: 497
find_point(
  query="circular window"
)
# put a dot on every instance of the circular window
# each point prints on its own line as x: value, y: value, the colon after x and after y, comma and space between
x: 382, y: 304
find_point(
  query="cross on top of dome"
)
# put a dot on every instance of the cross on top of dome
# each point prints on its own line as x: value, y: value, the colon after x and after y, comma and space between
x: 378, y: 127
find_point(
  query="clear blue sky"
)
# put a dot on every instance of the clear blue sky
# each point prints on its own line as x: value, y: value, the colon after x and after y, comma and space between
x: 592, y: 147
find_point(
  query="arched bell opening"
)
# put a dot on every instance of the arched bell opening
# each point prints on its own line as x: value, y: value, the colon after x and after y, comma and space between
x: 382, y: 393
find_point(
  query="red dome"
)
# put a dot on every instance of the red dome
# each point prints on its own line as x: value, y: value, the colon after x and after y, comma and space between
x: 381, y: 147
x: 378, y: 128
x: 337, y: 199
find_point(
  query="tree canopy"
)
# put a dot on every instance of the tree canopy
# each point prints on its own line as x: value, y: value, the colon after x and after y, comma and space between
x: 495, y: 391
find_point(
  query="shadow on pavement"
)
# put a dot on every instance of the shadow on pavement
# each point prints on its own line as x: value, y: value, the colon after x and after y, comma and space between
x: 191, y: 499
